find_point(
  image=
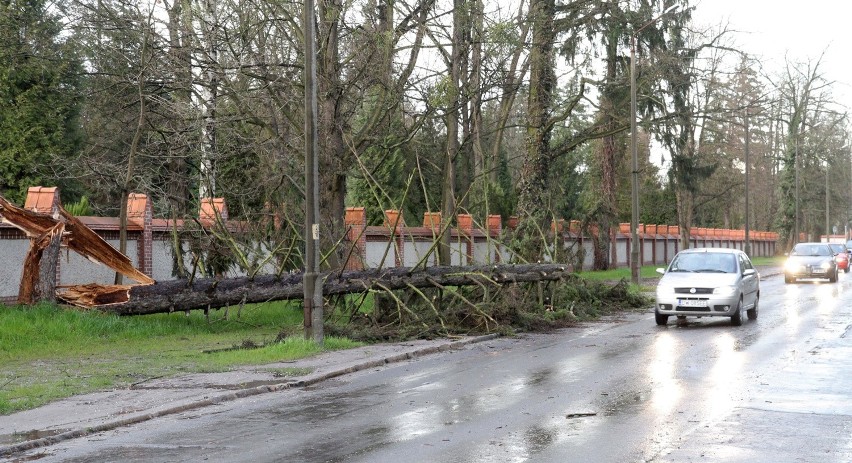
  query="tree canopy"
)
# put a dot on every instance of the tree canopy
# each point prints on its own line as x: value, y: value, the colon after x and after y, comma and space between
x: 485, y: 107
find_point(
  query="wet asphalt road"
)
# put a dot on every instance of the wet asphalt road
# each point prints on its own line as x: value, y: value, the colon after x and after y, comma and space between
x: 778, y: 389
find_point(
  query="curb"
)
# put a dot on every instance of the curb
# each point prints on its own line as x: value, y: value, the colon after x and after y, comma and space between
x: 239, y: 394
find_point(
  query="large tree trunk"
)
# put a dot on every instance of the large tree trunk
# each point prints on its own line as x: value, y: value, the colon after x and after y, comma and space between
x: 448, y: 192
x: 38, y: 281
x: 607, y: 155
x: 180, y: 295
x: 685, y: 201
x: 532, y: 206
x: 333, y: 154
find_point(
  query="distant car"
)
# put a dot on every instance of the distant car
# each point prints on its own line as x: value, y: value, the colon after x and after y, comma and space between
x: 841, y: 256
x: 707, y: 282
x: 810, y: 260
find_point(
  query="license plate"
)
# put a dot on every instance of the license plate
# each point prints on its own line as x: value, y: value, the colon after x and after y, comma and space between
x: 691, y: 303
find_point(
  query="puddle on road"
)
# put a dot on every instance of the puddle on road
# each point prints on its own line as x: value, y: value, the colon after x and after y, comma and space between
x: 538, y: 377
x: 537, y: 439
x: 18, y: 437
x: 628, y: 403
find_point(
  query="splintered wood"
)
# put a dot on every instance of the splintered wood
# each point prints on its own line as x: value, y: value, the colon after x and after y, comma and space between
x: 46, y: 233
x: 93, y: 294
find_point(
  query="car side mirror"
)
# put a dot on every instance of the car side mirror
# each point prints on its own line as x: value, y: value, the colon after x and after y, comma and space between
x: 661, y: 271
x: 749, y: 271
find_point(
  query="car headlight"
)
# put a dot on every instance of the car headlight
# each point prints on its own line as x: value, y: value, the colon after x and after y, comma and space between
x: 725, y: 290
x: 827, y: 264
x: 791, y: 265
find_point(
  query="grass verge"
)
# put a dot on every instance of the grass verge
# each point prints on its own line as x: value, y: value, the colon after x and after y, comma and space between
x: 48, y: 353
x: 647, y: 271
x: 650, y: 271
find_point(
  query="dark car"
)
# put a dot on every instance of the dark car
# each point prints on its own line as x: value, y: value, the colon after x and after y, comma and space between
x: 841, y: 256
x: 810, y: 260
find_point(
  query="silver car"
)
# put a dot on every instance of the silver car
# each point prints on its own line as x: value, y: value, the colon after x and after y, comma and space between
x: 708, y: 282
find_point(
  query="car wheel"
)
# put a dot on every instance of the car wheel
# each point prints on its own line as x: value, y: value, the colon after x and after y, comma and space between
x: 788, y: 279
x: 752, y: 312
x: 833, y: 277
x: 846, y: 270
x: 661, y: 319
x: 737, y: 317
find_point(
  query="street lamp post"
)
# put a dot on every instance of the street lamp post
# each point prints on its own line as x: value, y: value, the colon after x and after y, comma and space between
x: 747, y: 249
x: 634, y: 170
x: 634, y: 174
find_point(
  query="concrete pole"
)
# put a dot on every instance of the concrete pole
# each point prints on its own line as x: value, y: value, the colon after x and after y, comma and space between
x: 313, y: 305
x: 634, y: 172
x: 747, y: 249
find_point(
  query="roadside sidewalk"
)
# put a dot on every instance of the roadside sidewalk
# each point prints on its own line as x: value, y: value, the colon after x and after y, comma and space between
x: 92, y: 413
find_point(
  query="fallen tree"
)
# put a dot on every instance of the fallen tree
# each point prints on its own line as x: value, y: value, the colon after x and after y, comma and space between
x: 182, y: 295
x: 47, y: 234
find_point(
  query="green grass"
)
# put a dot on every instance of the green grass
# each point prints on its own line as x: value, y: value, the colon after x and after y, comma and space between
x: 48, y: 353
x: 647, y: 271
x: 763, y: 261
x: 650, y: 271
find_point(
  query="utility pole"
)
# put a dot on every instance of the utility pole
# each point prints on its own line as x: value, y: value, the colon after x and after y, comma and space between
x: 313, y: 305
x: 635, y: 265
x: 796, y: 171
x: 747, y: 249
x: 827, y: 218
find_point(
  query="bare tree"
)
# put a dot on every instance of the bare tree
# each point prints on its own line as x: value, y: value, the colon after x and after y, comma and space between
x: 802, y: 90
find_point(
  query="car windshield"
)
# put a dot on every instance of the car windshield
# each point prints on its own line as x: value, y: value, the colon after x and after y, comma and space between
x: 838, y: 248
x: 811, y: 250
x: 704, y: 262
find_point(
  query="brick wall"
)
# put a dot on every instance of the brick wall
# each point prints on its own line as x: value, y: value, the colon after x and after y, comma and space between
x: 394, y: 243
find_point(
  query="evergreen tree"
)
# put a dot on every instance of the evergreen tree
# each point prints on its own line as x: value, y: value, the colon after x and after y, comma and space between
x: 40, y: 98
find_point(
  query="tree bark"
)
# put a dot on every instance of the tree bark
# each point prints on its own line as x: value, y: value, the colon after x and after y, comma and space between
x: 532, y: 205
x: 181, y: 295
x: 333, y: 154
x: 38, y: 279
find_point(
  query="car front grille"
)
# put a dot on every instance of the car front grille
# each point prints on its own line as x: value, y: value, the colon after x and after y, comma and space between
x: 697, y: 290
x: 692, y: 309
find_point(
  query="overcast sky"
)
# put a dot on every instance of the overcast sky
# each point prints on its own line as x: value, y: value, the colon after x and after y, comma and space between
x: 801, y: 30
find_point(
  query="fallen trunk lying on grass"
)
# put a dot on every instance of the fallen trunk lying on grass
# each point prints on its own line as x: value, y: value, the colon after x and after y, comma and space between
x: 181, y: 295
